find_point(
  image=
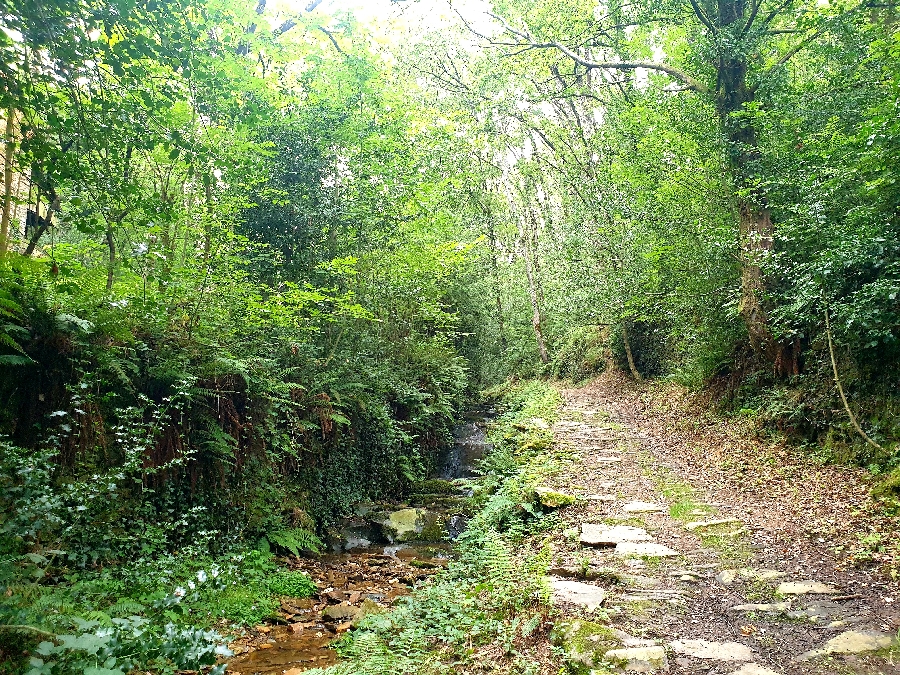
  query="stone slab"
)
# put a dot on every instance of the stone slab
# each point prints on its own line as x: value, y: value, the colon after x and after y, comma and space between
x: 644, y: 549
x: 754, y: 669
x: 804, y: 587
x: 702, y: 524
x: 606, y: 535
x: 638, y: 659
x: 765, y: 607
x: 718, y: 651
x: 577, y: 593
x: 642, y: 507
x: 852, y: 642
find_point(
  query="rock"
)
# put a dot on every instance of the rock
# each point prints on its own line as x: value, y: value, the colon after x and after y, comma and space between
x: 578, y: 593
x: 605, y: 535
x: 340, y: 612
x: 552, y: 499
x: 584, y: 642
x: 644, y: 549
x: 367, y: 608
x: 720, y: 651
x: 538, y: 423
x: 638, y: 659
x: 804, y: 587
x: 754, y: 669
x: 726, y: 577
x: 767, y: 575
x: 607, y: 460
x: 703, y: 524
x: 601, y: 498
x: 852, y: 642
x: 642, y: 507
x: 411, y: 525
x: 766, y: 607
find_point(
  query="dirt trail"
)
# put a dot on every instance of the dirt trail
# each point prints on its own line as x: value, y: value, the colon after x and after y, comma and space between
x: 724, y: 559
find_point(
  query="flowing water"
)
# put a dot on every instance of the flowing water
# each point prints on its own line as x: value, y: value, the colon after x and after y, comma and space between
x: 361, y: 576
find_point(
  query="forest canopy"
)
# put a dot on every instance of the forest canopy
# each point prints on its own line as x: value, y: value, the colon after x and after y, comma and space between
x: 256, y: 258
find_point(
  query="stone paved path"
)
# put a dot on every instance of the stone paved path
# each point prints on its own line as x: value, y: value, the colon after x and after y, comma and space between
x: 651, y: 574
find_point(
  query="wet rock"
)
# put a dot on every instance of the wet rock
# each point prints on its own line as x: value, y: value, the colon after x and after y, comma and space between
x: 340, y: 612
x: 412, y: 524
x: 638, y: 659
x: 642, y: 507
x: 577, y: 593
x: 719, y: 651
x: 336, y: 596
x: 643, y: 549
x: 852, y: 642
x: 367, y: 608
x: 754, y: 669
x: 704, y: 524
x: 804, y: 587
x: 606, y: 535
x: 553, y: 499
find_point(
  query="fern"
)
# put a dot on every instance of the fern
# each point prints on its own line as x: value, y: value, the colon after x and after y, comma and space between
x: 126, y: 607
x: 295, y: 540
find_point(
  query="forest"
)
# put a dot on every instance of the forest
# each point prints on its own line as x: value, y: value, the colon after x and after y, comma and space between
x: 258, y: 260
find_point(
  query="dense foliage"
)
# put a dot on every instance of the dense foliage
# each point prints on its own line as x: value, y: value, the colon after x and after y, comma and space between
x: 254, y: 261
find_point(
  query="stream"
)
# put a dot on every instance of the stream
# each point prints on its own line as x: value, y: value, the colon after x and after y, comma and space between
x: 376, y: 556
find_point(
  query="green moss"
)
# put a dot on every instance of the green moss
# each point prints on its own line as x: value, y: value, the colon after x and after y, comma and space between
x: 434, y: 486
x: 584, y: 643
x: 552, y: 499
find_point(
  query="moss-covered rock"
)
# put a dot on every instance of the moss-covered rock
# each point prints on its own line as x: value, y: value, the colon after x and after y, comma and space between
x: 585, y: 643
x: 553, y: 499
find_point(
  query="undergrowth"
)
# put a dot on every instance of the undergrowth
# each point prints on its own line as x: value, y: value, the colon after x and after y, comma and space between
x: 492, y: 599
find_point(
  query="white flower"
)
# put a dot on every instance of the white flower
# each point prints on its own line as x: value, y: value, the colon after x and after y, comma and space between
x: 192, y: 585
x: 180, y: 592
x: 201, y: 576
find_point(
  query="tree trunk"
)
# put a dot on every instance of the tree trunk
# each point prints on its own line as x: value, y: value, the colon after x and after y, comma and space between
x: 8, y: 152
x: 111, y: 270
x: 207, y: 227
x: 633, y: 368
x: 495, y: 274
x: 756, y: 230
x: 535, y: 308
x: 43, y: 224
x: 756, y: 242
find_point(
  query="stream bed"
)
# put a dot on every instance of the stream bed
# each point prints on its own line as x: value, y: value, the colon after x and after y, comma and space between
x: 376, y: 556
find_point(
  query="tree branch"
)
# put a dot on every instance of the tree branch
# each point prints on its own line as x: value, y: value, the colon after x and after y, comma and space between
x: 333, y: 40
x: 689, y: 82
x: 698, y: 11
